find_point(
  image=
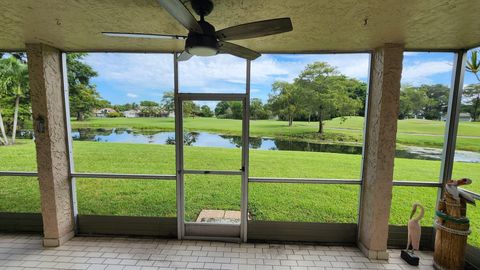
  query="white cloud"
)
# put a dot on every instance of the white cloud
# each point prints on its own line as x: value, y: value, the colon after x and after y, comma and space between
x: 148, y: 75
x: 420, y: 72
x: 153, y: 71
x: 141, y: 75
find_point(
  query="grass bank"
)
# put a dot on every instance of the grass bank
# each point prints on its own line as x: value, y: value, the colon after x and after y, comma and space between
x: 415, y: 132
x: 280, y: 202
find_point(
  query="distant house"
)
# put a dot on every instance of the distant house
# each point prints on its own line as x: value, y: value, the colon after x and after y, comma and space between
x: 463, y: 117
x: 164, y: 113
x: 131, y: 113
x: 103, y: 112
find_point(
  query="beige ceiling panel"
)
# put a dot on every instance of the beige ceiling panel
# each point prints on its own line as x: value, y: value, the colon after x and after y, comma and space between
x: 318, y: 25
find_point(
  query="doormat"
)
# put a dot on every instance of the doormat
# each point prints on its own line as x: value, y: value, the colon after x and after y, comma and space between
x: 219, y: 216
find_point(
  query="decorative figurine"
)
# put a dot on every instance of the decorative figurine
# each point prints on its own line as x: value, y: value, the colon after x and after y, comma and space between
x: 452, y: 188
x: 414, y: 234
x: 452, y: 226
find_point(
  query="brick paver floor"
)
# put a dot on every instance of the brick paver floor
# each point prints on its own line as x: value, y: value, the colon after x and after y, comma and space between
x: 25, y: 252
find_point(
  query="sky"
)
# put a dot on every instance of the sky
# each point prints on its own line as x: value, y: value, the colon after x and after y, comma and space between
x: 130, y: 78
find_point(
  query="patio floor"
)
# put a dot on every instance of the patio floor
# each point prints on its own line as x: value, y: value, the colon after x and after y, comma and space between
x: 25, y: 251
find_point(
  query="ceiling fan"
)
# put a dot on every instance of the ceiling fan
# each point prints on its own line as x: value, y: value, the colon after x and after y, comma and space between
x: 203, y: 40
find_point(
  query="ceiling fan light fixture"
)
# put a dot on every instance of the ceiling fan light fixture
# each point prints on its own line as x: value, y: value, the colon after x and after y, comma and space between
x: 202, y: 51
x: 205, y: 44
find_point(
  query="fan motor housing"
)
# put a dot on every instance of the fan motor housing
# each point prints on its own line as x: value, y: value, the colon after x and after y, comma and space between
x: 204, y: 44
x: 202, y: 7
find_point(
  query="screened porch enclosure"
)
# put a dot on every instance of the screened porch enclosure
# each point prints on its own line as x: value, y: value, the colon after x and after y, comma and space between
x: 238, y: 194
x: 198, y: 180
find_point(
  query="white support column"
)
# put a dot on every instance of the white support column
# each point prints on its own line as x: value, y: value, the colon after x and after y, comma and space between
x: 377, y: 176
x: 48, y: 108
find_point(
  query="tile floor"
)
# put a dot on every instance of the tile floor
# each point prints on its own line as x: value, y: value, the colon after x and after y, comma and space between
x: 25, y: 252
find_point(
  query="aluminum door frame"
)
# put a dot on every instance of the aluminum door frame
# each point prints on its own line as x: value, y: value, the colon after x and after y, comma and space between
x: 180, y: 169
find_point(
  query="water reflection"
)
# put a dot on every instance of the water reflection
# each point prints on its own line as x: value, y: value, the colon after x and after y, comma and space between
x: 208, y: 140
x: 189, y: 138
x: 205, y: 139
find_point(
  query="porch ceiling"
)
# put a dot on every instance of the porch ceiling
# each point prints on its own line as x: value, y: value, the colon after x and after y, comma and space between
x: 319, y: 25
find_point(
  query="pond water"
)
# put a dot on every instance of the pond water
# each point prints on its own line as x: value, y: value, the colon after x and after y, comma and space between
x: 206, y: 139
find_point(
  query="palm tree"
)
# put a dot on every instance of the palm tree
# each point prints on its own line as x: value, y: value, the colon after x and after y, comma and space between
x: 473, y: 91
x: 13, y: 81
x: 473, y: 64
x: 3, y: 139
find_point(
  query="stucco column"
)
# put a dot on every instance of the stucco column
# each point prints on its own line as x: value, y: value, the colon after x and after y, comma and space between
x: 383, y: 107
x: 45, y: 75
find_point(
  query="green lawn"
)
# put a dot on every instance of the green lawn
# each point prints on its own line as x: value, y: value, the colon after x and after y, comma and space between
x: 416, y: 126
x: 267, y: 201
x: 272, y: 127
x: 410, y: 132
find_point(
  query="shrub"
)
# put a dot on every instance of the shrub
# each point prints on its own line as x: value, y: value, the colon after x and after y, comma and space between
x: 114, y: 114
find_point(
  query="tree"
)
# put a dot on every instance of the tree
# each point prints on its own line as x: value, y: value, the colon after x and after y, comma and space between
x: 358, y: 90
x: 285, y: 101
x: 3, y: 138
x: 13, y: 83
x: 436, y: 102
x: 83, y: 94
x: 472, y: 92
x: 221, y: 109
x: 326, y: 93
x: 148, y: 103
x: 205, y: 111
x: 150, y: 108
x: 84, y: 101
x: 229, y: 110
x: 236, y: 109
x: 473, y: 64
x: 426, y: 101
x: 126, y: 107
x: 258, y: 110
x: 20, y: 56
x: 190, y: 108
x: 168, y: 103
x: 412, y: 102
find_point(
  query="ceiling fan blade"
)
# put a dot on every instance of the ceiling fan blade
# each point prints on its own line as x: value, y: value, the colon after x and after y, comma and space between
x: 234, y: 49
x: 181, y: 14
x: 256, y: 29
x: 184, y: 56
x: 142, y: 35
